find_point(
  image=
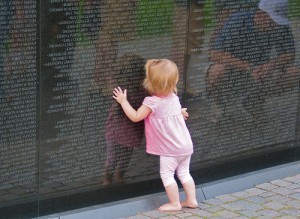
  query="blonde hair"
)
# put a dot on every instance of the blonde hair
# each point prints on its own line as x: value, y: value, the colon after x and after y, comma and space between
x: 162, y: 76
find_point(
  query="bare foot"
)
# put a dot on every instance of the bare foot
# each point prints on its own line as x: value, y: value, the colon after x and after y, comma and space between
x: 107, y: 180
x: 170, y: 207
x: 186, y: 204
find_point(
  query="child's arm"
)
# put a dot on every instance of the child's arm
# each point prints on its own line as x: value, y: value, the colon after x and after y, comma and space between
x: 132, y: 114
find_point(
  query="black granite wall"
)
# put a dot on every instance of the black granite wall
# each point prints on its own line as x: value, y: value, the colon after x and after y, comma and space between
x: 66, y: 144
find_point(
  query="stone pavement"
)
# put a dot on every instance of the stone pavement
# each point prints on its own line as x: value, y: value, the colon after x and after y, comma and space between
x: 276, y: 199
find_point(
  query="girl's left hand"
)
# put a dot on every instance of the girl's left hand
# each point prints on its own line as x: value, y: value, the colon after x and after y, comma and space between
x: 119, y: 95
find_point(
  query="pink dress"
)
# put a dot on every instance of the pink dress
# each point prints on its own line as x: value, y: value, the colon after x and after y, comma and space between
x: 165, y: 128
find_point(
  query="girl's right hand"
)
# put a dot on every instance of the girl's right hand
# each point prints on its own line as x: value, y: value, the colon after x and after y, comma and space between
x: 119, y: 95
x: 185, y: 113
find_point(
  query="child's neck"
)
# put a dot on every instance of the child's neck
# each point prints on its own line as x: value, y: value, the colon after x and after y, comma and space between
x: 161, y: 95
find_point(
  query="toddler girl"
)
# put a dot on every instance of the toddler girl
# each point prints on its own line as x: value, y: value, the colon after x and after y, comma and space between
x: 165, y: 130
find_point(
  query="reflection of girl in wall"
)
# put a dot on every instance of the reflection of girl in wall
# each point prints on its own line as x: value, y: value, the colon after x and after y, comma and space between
x: 122, y: 135
x: 165, y: 128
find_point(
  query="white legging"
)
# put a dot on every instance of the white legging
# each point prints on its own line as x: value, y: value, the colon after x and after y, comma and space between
x: 168, y: 166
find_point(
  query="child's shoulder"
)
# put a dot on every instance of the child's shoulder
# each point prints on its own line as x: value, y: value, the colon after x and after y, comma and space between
x: 151, y: 99
x: 154, y: 98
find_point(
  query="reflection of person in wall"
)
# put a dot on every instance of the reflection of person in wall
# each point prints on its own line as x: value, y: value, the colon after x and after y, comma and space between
x: 122, y: 135
x: 117, y: 26
x: 253, y: 57
x: 165, y: 128
x: 225, y: 8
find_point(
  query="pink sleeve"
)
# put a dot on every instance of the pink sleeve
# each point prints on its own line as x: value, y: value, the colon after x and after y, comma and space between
x: 149, y: 102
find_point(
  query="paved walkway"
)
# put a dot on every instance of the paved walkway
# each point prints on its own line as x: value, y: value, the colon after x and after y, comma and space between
x: 276, y: 199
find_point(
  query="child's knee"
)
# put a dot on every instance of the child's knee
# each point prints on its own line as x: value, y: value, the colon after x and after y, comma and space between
x: 184, y: 177
x: 167, y: 178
